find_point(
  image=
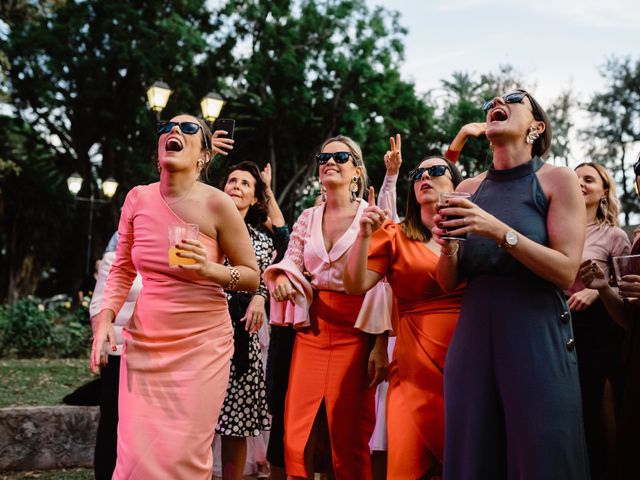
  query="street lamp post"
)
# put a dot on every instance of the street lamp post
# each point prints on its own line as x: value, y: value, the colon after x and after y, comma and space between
x: 109, y: 187
x: 211, y: 105
x: 158, y: 96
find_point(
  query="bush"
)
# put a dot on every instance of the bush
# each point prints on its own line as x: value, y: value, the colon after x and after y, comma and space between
x: 71, y: 335
x: 29, y: 330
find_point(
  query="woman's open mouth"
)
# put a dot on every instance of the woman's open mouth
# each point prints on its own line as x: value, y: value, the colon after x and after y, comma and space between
x: 173, y: 145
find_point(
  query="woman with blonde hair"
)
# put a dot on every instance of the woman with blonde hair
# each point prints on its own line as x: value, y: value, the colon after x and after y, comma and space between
x: 598, y: 338
x: 336, y: 364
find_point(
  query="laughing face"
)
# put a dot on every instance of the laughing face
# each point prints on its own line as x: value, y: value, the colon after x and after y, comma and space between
x: 178, y: 150
x: 506, y: 120
x: 427, y: 189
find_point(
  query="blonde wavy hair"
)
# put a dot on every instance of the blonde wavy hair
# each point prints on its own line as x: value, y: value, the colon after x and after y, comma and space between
x: 608, y: 209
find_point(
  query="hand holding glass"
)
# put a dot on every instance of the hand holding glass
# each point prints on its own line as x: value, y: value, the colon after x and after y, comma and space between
x: 177, y: 233
x: 626, y: 265
x: 444, y: 196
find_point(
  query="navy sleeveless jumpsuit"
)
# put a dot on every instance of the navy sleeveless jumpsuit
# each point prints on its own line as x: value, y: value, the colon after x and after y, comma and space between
x: 512, y: 395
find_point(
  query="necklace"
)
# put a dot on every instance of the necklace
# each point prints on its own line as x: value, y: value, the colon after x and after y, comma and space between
x: 182, y: 197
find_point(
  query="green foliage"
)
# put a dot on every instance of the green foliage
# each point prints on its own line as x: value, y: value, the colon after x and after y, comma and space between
x: 29, y: 330
x: 76, y: 74
x: 36, y: 202
x: 615, y: 114
x: 71, y: 334
x: 560, y: 113
x: 313, y: 69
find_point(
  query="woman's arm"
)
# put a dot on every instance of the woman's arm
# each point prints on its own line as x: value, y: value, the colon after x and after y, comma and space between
x: 357, y: 279
x: 447, y: 269
x: 233, y: 237
x: 273, y: 209
x: 593, y: 277
x: 468, y: 130
x: 387, y: 198
x: 282, y: 289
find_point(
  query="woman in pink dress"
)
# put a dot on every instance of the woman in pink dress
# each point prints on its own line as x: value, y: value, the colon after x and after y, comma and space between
x: 179, y: 341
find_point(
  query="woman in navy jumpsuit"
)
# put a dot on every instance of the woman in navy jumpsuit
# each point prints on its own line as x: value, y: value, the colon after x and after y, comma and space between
x: 512, y: 396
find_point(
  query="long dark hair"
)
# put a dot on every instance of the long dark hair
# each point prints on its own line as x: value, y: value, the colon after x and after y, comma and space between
x: 412, y: 224
x: 257, y: 214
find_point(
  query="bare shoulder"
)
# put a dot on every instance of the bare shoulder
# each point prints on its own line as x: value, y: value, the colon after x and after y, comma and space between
x: 556, y: 179
x: 470, y: 185
x: 214, y: 199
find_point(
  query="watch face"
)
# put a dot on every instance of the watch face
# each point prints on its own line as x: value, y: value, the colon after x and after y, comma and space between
x: 511, y: 238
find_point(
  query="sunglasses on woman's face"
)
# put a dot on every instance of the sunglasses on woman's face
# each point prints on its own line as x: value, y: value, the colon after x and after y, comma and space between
x: 433, y: 171
x: 516, y: 97
x: 636, y: 168
x: 339, y: 157
x: 188, y: 128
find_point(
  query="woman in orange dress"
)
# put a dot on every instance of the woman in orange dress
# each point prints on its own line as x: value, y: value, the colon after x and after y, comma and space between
x: 407, y: 255
x: 331, y: 357
x: 179, y: 341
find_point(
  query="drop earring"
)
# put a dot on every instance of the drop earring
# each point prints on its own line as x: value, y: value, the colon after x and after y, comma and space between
x: 604, y: 203
x: 323, y: 193
x: 354, y: 188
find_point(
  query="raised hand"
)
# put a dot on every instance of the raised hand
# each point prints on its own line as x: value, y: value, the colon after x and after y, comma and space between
x: 266, y: 175
x: 475, y: 129
x: 373, y: 217
x: 393, y: 157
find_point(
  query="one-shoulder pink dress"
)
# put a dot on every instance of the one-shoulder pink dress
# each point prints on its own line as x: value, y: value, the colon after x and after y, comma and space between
x: 177, y: 352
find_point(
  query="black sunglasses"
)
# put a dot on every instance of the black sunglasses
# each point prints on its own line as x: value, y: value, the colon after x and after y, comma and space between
x: 189, y: 128
x: 636, y: 168
x: 339, y: 157
x: 515, y: 97
x: 433, y: 171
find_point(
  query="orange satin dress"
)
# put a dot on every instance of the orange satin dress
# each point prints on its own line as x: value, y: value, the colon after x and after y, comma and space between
x: 177, y: 349
x: 427, y: 319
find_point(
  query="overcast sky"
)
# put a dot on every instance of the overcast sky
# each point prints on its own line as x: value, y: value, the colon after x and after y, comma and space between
x: 557, y: 43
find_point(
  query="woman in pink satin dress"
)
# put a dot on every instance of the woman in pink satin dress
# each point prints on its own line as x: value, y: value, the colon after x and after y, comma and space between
x: 179, y: 341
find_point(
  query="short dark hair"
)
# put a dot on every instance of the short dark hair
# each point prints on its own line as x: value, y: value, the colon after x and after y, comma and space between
x: 257, y: 214
x: 542, y: 144
x: 412, y: 224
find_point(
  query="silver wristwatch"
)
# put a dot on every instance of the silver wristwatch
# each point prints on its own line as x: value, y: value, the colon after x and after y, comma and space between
x: 510, y: 239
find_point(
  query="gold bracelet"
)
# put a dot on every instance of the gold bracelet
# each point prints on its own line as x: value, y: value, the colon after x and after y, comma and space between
x: 452, y: 254
x: 234, y: 279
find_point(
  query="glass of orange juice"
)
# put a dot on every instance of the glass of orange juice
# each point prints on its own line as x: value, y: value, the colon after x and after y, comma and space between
x: 177, y: 233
